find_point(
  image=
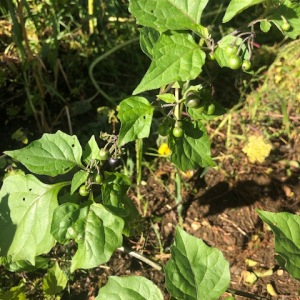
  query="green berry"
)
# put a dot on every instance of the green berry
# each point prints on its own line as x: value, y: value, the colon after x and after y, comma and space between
x: 193, y: 101
x: 246, y: 65
x: 231, y: 50
x: 177, y: 132
x: 286, y: 26
x: 103, y: 154
x: 234, y: 62
x: 83, y: 191
x: 211, y: 109
x: 98, y: 178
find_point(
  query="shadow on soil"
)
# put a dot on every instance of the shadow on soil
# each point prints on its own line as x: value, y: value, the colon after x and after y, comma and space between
x: 224, y: 195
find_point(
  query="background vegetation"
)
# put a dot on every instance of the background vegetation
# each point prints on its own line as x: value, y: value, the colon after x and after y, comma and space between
x: 66, y: 65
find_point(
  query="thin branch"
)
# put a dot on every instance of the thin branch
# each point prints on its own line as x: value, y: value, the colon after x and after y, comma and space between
x: 141, y: 258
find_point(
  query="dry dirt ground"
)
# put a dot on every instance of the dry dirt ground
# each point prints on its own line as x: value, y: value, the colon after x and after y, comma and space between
x: 218, y: 205
x: 220, y: 208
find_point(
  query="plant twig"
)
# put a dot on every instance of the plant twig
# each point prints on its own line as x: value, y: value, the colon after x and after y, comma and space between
x: 100, y: 58
x: 245, y: 294
x: 141, y: 258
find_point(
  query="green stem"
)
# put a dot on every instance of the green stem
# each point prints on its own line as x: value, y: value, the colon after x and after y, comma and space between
x: 102, y: 57
x: 139, y: 156
x: 285, y: 119
x: 178, y: 198
x: 178, y: 106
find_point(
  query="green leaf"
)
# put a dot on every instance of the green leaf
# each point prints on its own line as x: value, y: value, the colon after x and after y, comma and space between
x: 114, y: 188
x: 14, y: 293
x: 64, y: 217
x: 286, y: 228
x: 99, y: 234
x: 128, y: 288
x: 135, y: 114
x: 91, y: 151
x: 115, y: 199
x: 290, y: 10
x: 166, y: 15
x: 192, y: 149
x: 220, y: 54
x: 27, y: 207
x: 168, y: 98
x: 23, y: 265
x: 195, y: 270
x: 78, y: 179
x: 265, y: 26
x: 176, y: 57
x: 148, y: 38
x: 55, y: 281
x: 198, y: 114
x: 237, y: 6
x: 52, y: 154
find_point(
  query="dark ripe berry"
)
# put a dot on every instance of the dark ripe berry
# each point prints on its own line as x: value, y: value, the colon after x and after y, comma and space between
x: 114, y: 162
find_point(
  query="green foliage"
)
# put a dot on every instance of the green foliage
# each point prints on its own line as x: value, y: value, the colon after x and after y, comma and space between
x: 195, y: 271
x: 15, y: 293
x: 27, y: 207
x: 235, y: 7
x: 287, y: 10
x: 55, y: 281
x: 34, y: 216
x: 192, y: 149
x: 45, y: 156
x: 286, y: 228
x: 176, y: 57
x: 170, y: 15
x: 127, y: 288
x: 135, y: 114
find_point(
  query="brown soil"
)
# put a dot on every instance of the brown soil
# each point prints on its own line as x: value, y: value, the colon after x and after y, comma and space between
x: 218, y: 206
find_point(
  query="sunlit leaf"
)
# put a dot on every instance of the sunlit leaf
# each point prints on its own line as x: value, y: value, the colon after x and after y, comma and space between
x: 286, y: 228
x: 166, y: 15
x: 27, y: 207
x: 195, y: 270
x: 52, y: 154
x: 135, y: 114
x: 78, y: 179
x: 129, y: 288
x: 290, y: 10
x: 192, y: 149
x: 237, y: 6
x: 176, y: 57
x: 98, y: 235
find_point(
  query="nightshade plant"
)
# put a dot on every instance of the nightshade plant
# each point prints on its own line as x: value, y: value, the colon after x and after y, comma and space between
x: 35, y: 216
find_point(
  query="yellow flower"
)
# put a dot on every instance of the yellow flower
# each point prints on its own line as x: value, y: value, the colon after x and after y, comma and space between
x: 164, y: 149
x: 257, y: 149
